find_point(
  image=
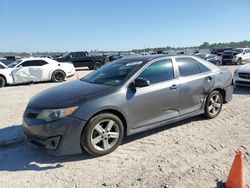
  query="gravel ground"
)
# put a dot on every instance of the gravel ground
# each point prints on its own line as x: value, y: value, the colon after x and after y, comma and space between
x: 192, y: 153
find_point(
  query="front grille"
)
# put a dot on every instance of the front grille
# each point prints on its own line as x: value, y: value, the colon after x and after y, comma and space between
x: 244, y: 75
x: 242, y: 83
x: 227, y: 57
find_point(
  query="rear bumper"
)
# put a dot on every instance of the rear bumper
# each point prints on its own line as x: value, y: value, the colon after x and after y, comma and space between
x: 229, y: 93
x: 60, y: 137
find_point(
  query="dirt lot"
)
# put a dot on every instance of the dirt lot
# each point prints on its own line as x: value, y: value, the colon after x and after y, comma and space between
x: 192, y: 153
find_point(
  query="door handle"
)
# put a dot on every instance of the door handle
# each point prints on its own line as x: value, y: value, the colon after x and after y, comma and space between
x: 173, y: 87
x: 209, y: 78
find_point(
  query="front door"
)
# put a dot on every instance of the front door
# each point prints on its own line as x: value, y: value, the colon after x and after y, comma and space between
x: 157, y: 102
x: 28, y: 71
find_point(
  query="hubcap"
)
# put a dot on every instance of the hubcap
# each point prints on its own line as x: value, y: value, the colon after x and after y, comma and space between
x: 214, y: 104
x: 105, y: 135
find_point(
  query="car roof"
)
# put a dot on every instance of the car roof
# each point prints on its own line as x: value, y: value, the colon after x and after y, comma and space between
x: 144, y: 58
x: 35, y: 58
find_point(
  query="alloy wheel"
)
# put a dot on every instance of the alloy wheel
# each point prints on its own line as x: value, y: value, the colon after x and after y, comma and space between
x: 215, y: 104
x: 105, y: 135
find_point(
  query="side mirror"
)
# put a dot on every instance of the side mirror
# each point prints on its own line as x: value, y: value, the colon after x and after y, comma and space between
x: 141, y: 82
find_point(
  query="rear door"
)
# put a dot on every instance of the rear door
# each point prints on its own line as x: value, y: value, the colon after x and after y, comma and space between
x: 195, y: 81
x: 157, y: 102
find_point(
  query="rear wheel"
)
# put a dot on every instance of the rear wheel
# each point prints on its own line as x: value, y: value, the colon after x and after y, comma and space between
x: 102, y: 135
x: 2, y: 82
x: 58, y: 76
x: 213, y: 104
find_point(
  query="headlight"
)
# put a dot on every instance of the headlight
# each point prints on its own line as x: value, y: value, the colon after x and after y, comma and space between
x: 55, y: 114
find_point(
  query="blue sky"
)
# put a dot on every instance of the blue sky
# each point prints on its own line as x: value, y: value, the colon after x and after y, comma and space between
x: 67, y: 25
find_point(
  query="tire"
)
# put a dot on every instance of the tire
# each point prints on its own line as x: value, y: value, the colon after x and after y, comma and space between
x: 239, y: 61
x: 97, y: 65
x: 2, y: 82
x: 90, y: 67
x: 58, y: 76
x: 96, y: 137
x: 218, y: 63
x: 213, y: 104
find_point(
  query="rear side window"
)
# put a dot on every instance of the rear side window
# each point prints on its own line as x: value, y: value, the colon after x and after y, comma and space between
x: 159, y: 71
x: 203, y: 68
x: 189, y: 66
x: 43, y: 63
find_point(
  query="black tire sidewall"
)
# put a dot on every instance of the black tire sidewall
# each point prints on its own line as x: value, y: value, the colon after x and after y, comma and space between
x: 207, y: 113
x: 55, y: 72
x: 86, y: 134
x: 2, y: 82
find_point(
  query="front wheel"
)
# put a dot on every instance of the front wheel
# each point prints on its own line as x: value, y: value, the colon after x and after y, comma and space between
x: 58, y: 76
x: 213, y: 104
x: 102, y: 135
x: 239, y: 61
x: 2, y: 82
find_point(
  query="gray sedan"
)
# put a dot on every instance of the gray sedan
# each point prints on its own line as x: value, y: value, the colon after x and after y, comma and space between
x: 124, y: 97
x: 242, y: 75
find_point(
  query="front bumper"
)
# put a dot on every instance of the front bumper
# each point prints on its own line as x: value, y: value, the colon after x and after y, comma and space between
x: 61, y: 137
x: 241, y: 81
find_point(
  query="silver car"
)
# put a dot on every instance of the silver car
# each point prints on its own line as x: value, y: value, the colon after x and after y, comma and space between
x: 242, y: 75
x: 127, y: 96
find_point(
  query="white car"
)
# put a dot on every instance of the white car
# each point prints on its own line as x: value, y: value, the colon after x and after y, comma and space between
x: 238, y: 56
x: 2, y: 65
x: 35, y: 70
x: 242, y: 75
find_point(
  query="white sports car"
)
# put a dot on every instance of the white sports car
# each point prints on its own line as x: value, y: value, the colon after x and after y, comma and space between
x: 35, y: 70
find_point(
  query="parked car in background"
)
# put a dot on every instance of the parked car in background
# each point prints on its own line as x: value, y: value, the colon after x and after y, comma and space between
x: 242, y: 75
x: 236, y: 56
x: 125, y: 97
x: 215, y: 59
x: 144, y: 53
x: 2, y: 65
x: 35, y: 70
x: 83, y: 59
x: 219, y: 51
x: 114, y: 57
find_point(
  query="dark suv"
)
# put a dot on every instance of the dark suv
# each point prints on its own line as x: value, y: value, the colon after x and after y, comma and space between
x: 83, y: 59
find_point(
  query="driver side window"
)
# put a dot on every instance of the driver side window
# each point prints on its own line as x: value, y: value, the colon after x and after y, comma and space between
x: 159, y: 71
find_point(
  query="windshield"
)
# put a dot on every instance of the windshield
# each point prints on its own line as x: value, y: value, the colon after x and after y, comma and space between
x: 65, y: 55
x: 14, y: 63
x: 238, y: 50
x: 112, y: 74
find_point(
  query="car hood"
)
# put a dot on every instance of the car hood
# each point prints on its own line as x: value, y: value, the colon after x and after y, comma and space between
x: 73, y: 93
x: 244, y: 68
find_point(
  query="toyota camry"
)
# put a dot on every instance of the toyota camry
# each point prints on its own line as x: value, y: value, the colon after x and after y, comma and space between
x: 125, y: 97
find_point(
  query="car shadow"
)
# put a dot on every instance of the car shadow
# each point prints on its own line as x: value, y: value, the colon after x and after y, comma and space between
x: 239, y: 90
x: 145, y: 134
x: 20, y: 156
